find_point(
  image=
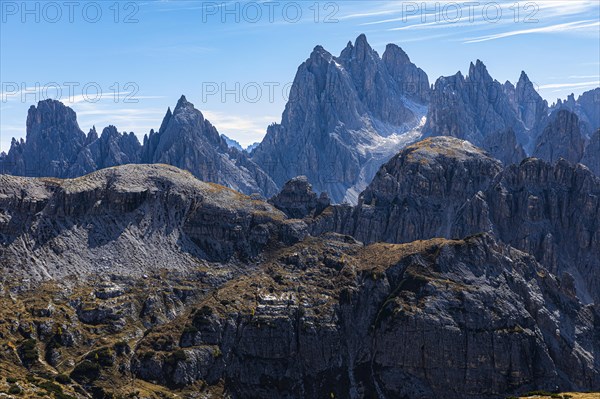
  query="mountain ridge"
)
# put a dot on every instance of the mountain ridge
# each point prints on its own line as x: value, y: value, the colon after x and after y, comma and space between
x: 163, y: 281
x: 347, y: 115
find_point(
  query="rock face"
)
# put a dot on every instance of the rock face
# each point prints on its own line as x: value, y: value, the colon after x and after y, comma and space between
x: 297, y: 199
x: 56, y: 147
x: 346, y: 116
x: 551, y: 212
x: 153, y: 275
x: 86, y: 224
x: 591, y: 156
x: 477, y: 108
x: 110, y: 149
x: 389, y: 318
x: 419, y: 193
x: 52, y: 144
x: 586, y: 107
x: 190, y: 142
x: 445, y: 187
x: 561, y: 138
x: 530, y: 106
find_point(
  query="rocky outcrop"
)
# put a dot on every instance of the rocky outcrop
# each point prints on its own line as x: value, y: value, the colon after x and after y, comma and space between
x: 346, y: 116
x: 419, y: 193
x: 561, y: 138
x: 298, y: 200
x: 586, y: 107
x: 445, y: 187
x: 190, y: 142
x: 591, y: 156
x: 110, y: 149
x: 530, y: 106
x: 553, y: 213
x: 56, y: 147
x: 142, y: 272
x: 75, y: 227
x: 379, y: 321
x: 52, y: 144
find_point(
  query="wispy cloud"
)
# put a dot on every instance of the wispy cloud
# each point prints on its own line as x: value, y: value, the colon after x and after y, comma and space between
x: 584, y: 77
x: 564, y: 27
x: 569, y: 85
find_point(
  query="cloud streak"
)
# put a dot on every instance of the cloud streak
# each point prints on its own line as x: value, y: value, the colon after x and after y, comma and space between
x: 564, y: 27
x: 569, y: 85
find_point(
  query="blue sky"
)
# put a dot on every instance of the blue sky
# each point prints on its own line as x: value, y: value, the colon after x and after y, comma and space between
x: 235, y: 60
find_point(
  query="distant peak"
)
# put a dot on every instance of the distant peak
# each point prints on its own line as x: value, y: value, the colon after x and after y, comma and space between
x: 361, y: 43
x: 523, y: 79
x: 458, y: 75
x: 50, y: 101
x: 167, y: 118
x: 182, y: 104
x: 182, y: 100
x: 110, y: 130
x: 477, y: 65
x: 319, y: 50
x: 478, y: 71
x: 361, y: 39
x: 319, y: 53
x: 395, y: 52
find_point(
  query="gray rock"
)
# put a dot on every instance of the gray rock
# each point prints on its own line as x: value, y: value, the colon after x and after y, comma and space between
x: 591, y: 156
x: 85, y: 225
x: 479, y: 109
x: 346, y: 116
x: 444, y: 187
x: 561, y: 138
x: 297, y: 199
x: 383, y: 325
x: 586, y: 107
x: 190, y: 142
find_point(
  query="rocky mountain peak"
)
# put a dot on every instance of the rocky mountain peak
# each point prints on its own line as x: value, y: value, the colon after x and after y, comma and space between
x: 190, y: 142
x: 298, y: 200
x: 52, y: 113
x: 110, y: 131
x: 360, y: 55
x: 394, y: 55
x: 341, y: 115
x: 523, y: 79
x: 561, y: 138
x: 91, y: 136
x: 362, y: 48
x: 166, y: 120
x: 319, y: 55
x: 478, y: 73
x: 184, y: 107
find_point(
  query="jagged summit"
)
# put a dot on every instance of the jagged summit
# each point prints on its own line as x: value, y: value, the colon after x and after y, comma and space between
x: 56, y: 147
x: 394, y: 51
x: 189, y: 141
x: 182, y: 103
x: 346, y: 116
x: 478, y: 73
x: 524, y: 78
